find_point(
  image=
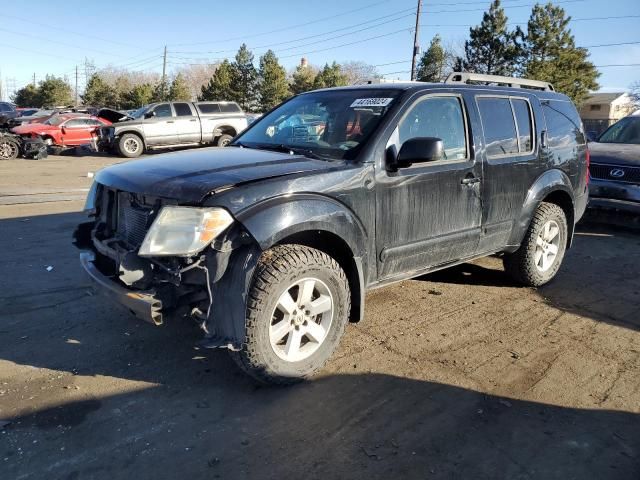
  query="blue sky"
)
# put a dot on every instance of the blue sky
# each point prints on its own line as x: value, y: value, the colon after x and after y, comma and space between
x: 53, y: 37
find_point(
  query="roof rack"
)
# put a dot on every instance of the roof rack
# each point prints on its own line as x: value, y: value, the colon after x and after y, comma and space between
x: 466, y: 77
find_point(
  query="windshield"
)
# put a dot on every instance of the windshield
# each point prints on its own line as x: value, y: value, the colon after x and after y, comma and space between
x: 626, y: 130
x: 55, y: 120
x: 334, y: 124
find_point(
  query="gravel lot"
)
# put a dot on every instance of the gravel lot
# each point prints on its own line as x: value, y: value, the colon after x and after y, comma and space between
x: 459, y: 374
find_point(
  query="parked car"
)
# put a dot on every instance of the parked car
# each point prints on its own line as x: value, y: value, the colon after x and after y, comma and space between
x: 7, y: 112
x: 615, y: 167
x: 66, y: 130
x: 24, y: 112
x: 173, y: 124
x: 270, y: 244
x: 39, y: 116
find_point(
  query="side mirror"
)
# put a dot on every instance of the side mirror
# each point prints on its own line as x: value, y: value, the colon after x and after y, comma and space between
x: 419, y: 150
x: 150, y: 114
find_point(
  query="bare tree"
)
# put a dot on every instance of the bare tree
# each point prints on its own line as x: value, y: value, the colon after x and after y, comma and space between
x: 635, y: 93
x: 359, y: 72
x: 196, y: 76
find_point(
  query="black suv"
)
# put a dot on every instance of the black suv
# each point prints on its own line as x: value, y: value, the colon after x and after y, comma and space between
x: 271, y: 243
x: 7, y: 112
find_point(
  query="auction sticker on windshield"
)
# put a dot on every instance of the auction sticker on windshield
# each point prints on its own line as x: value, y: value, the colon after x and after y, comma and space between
x: 371, y: 102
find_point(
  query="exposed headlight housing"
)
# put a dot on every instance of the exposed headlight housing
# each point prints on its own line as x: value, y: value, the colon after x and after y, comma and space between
x: 184, y: 231
x: 90, y: 202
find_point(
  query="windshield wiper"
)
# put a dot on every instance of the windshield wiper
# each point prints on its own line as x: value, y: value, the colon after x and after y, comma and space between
x: 307, y: 152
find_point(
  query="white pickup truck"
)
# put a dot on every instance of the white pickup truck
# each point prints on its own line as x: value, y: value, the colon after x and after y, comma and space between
x: 173, y: 124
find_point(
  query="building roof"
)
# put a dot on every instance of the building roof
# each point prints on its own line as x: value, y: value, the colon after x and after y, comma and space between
x: 603, y: 97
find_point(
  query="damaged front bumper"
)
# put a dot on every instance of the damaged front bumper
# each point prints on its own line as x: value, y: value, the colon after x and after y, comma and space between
x: 144, y: 305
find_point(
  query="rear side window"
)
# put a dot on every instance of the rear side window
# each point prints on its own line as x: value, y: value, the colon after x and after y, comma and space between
x: 499, y: 126
x: 183, y: 109
x: 229, y: 108
x: 564, y: 128
x: 522, y: 111
x: 209, y: 108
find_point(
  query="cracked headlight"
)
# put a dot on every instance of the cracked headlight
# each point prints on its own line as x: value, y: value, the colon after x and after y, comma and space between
x: 184, y: 231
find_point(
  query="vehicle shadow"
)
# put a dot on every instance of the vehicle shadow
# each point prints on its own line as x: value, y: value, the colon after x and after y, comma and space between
x: 343, y: 426
x: 599, y: 252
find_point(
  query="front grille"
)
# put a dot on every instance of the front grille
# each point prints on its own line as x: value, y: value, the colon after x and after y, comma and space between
x: 615, y: 173
x: 132, y: 220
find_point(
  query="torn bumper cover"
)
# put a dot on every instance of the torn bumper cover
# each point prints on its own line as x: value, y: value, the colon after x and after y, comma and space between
x: 144, y: 305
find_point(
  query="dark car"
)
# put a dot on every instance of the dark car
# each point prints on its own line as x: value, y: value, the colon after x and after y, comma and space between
x: 271, y: 243
x: 7, y: 112
x: 615, y: 167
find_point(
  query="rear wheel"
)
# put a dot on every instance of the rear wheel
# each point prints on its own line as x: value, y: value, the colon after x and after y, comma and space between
x: 224, y: 140
x: 297, y: 311
x: 130, y: 145
x: 9, y: 148
x: 539, y: 257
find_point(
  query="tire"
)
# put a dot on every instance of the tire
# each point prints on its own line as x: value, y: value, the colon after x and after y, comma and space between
x: 130, y: 145
x: 535, y: 263
x: 9, y: 149
x: 223, y: 140
x: 269, y: 353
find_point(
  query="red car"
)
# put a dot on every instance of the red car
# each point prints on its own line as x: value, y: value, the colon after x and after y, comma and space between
x: 68, y: 130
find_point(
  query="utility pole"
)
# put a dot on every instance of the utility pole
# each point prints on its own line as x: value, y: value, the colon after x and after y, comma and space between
x: 164, y: 72
x: 416, y: 46
x: 76, y: 85
x: 34, y: 79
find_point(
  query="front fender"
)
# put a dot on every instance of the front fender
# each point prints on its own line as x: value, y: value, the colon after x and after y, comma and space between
x: 550, y: 181
x: 273, y: 220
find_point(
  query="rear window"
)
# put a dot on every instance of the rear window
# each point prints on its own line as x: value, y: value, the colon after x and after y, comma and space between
x: 499, y: 126
x: 209, y: 108
x: 564, y: 128
x: 229, y: 108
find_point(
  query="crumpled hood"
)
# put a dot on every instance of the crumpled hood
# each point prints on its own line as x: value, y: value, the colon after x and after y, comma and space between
x: 615, y: 153
x: 190, y: 176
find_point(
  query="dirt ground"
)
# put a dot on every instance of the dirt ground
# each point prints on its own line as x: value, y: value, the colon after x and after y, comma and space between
x: 459, y: 374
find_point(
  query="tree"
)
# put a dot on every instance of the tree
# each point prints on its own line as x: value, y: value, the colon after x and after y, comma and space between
x: 197, y: 76
x: 98, y: 93
x: 302, y: 79
x: 358, y: 72
x: 219, y: 86
x: 179, y: 89
x: 244, y: 78
x: 28, y: 96
x: 552, y: 55
x: 634, y: 91
x: 137, y: 97
x: 491, y: 48
x: 432, y: 64
x: 55, y: 91
x: 330, y: 76
x: 272, y: 86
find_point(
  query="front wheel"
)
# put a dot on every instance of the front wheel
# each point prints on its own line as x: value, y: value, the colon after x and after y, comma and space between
x: 130, y: 145
x: 298, y: 307
x: 539, y: 257
x: 224, y: 140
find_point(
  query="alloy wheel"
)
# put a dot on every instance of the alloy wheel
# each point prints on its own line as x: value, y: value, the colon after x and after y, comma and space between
x: 547, y: 246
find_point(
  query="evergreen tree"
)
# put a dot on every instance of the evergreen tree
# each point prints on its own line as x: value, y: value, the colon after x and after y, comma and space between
x: 302, y: 79
x: 159, y: 92
x: 330, y: 76
x: 28, y: 96
x: 179, y: 89
x: 552, y: 55
x: 244, y: 79
x: 272, y: 87
x: 219, y: 86
x: 491, y: 48
x: 54, y: 91
x: 137, y: 97
x: 98, y: 93
x: 432, y: 64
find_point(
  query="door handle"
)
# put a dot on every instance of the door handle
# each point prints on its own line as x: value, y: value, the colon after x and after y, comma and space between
x: 169, y: 121
x: 193, y: 120
x: 470, y: 181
